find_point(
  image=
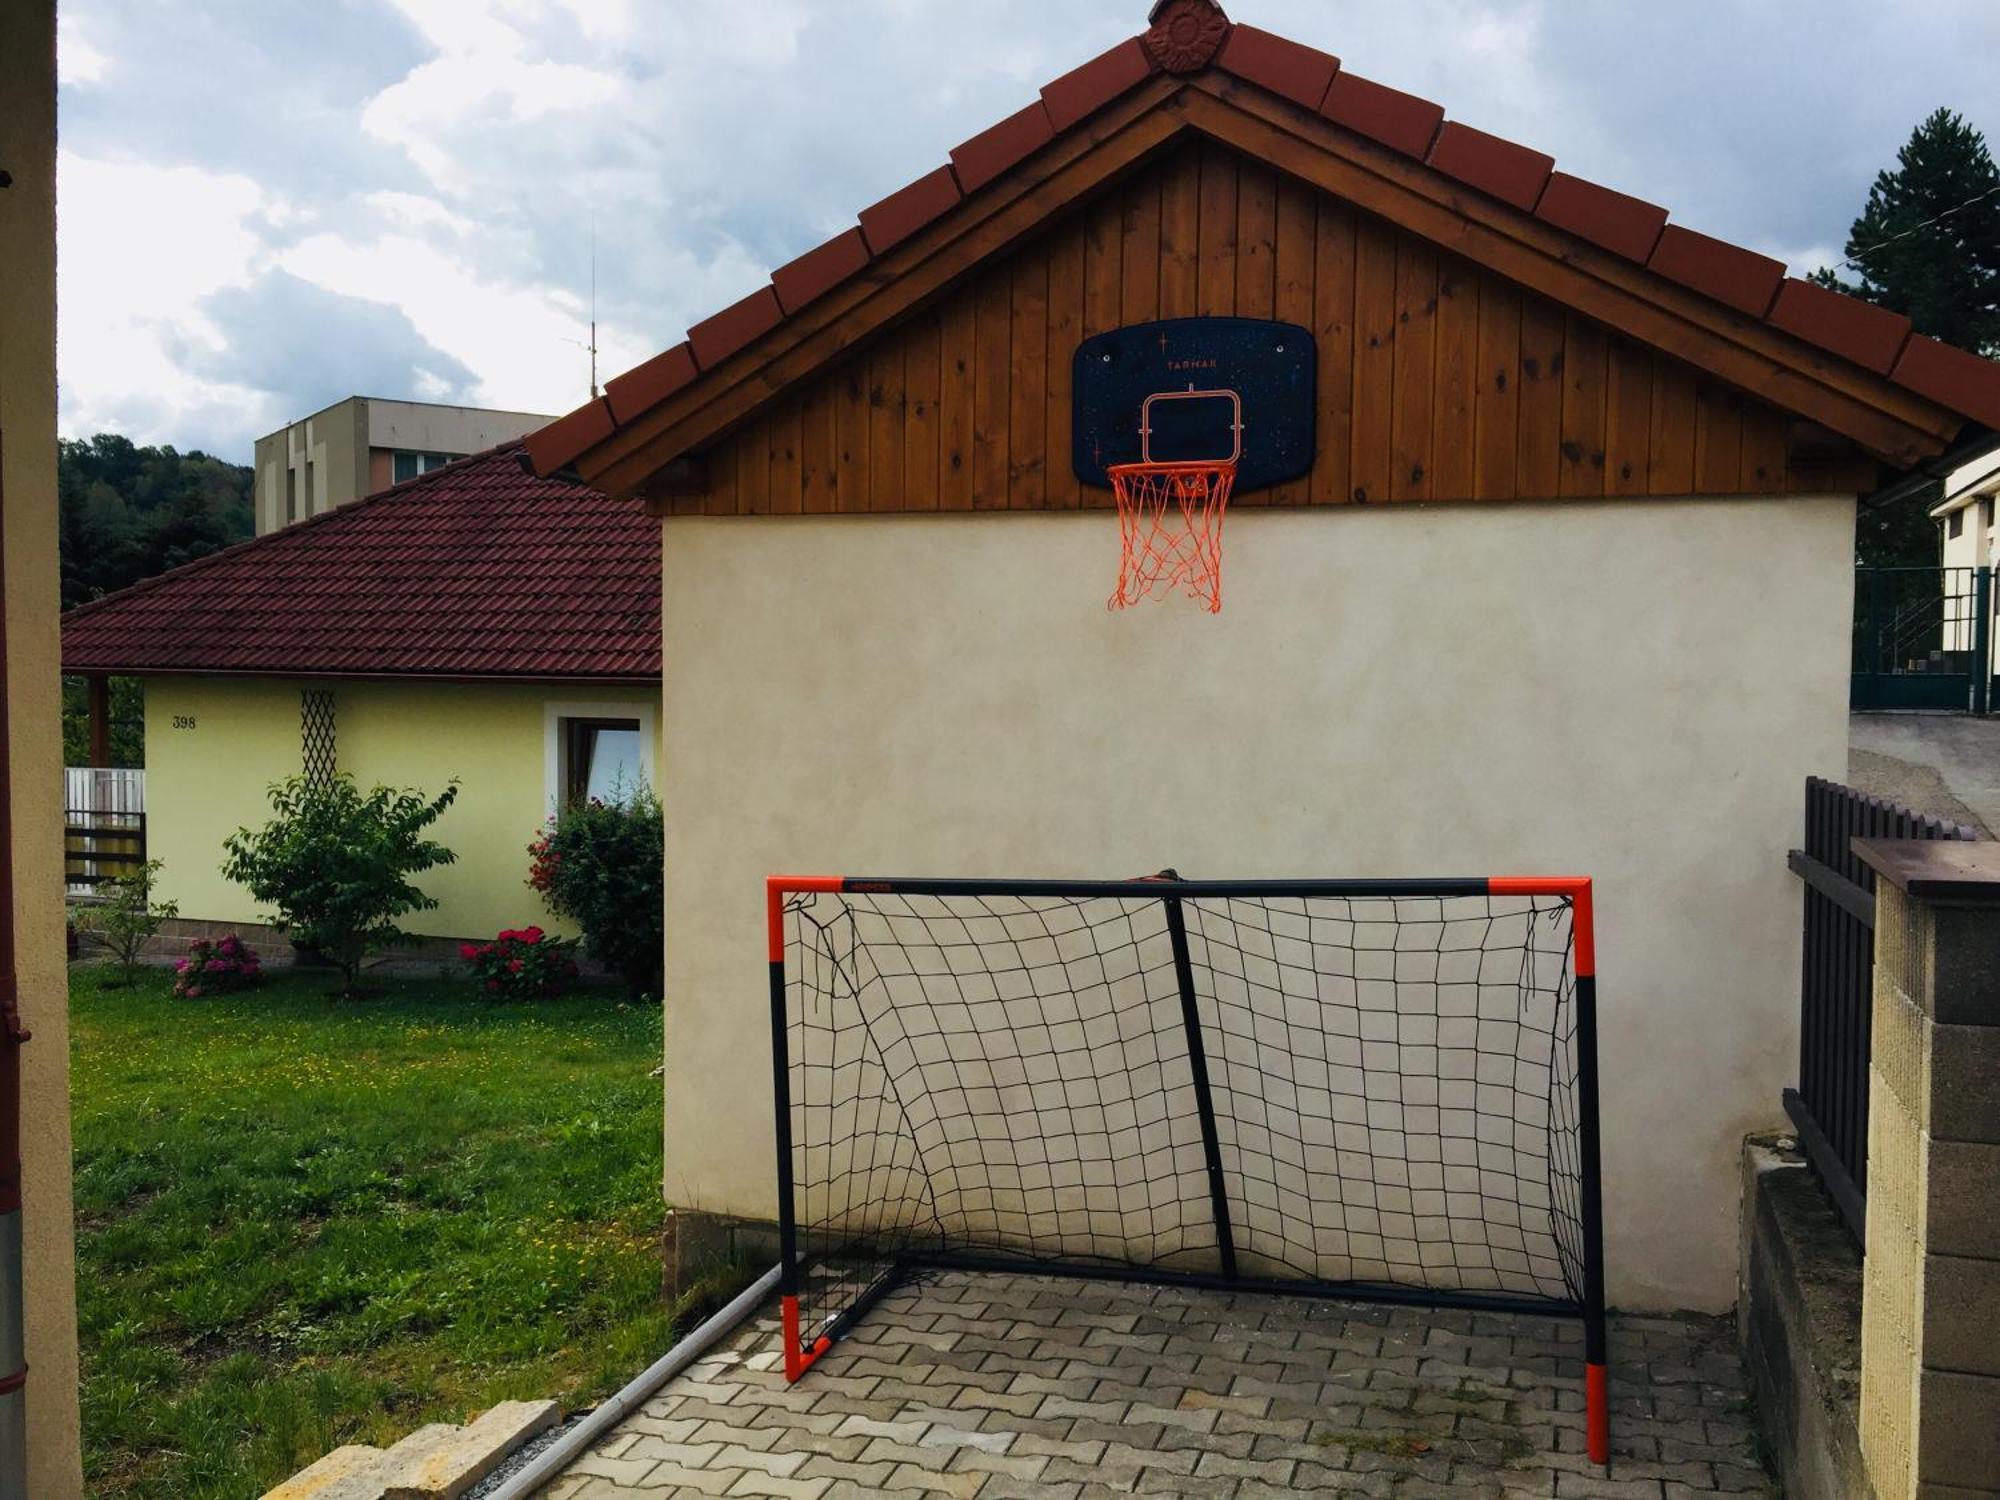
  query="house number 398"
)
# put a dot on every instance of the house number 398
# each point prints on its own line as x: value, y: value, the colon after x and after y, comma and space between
x: 183, y: 721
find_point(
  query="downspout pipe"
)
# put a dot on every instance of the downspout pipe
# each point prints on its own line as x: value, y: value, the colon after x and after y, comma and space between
x: 13, y: 1340
x: 549, y: 1464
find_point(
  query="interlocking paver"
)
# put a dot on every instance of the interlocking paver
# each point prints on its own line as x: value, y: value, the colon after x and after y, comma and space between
x: 1019, y: 1388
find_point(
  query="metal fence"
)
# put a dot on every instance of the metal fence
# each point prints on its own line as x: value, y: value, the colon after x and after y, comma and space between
x: 1830, y: 1105
x: 104, y: 826
x: 1923, y: 638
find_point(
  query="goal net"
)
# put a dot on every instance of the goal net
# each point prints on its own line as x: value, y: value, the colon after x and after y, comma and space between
x: 1382, y: 1089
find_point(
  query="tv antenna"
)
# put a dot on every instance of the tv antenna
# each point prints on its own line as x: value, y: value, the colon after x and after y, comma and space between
x: 592, y: 345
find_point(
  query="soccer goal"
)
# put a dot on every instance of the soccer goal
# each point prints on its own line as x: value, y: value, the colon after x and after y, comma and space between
x: 1363, y: 1089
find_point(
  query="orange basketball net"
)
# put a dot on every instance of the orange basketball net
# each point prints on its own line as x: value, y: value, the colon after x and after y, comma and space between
x: 1170, y: 516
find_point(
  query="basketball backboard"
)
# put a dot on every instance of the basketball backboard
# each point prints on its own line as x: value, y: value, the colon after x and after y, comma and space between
x: 1271, y: 367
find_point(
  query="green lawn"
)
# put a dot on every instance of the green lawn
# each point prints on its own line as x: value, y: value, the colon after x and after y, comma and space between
x: 304, y: 1221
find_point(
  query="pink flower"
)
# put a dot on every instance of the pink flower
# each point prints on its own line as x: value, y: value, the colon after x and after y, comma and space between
x: 181, y: 967
x: 194, y: 992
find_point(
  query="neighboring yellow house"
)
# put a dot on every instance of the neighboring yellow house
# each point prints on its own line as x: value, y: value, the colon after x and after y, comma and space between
x: 28, y: 594
x: 475, y: 624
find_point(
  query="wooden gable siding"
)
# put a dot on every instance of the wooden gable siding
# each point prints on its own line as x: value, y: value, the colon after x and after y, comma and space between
x: 1437, y: 380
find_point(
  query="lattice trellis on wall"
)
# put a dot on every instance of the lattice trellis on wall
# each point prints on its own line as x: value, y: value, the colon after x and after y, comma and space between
x: 316, y: 734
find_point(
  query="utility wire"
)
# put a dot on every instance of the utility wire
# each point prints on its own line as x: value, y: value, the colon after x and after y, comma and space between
x: 1972, y: 202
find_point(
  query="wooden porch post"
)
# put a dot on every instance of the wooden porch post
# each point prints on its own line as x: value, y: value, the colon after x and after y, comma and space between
x: 100, y: 720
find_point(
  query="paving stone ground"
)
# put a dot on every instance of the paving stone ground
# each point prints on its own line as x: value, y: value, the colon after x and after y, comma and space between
x: 983, y: 1387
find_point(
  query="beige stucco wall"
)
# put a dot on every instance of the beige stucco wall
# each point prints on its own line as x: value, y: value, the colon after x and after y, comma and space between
x: 206, y: 781
x: 29, y: 595
x: 1632, y: 691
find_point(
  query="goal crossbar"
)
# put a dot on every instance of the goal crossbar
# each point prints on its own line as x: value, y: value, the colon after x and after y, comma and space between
x: 910, y: 1110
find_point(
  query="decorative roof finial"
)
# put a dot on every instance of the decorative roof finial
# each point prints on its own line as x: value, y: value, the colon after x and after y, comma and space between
x: 1185, y: 35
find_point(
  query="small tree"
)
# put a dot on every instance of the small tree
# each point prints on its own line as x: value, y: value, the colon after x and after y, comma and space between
x: 336, y: 863
x: 601, y: 865
x: 1927, y: 244
x: 129, y: 917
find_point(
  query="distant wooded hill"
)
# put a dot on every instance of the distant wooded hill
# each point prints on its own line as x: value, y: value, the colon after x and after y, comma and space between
x: 130, y: 512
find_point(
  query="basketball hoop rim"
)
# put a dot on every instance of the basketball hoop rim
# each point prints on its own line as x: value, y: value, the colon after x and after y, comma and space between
x: 1178, y: 466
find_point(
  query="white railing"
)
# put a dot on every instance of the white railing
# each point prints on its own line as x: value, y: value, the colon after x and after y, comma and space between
x: 104, y: 825
x: 99, y: 789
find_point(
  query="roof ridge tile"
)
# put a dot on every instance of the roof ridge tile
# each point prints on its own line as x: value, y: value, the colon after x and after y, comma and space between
x: 1743, y: 279
x: 888, y: 223
x: 820, y: 269
x: 1493, y: 164
x: 1402, y: 122
x: 1083, y: 91
x: 1287, y: 68
x: 979, y: 160
x: 1608, y: 219
x: 714, y: 339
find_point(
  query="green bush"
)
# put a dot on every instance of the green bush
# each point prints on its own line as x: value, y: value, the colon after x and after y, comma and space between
x: 129, y: 916
x: 601, y: 865
x: 336, y: 863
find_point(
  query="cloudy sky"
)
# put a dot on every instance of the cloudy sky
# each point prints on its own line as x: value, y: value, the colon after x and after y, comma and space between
x: 267, y: 205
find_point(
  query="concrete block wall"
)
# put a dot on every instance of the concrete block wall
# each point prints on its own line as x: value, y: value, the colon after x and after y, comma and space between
x: 1930, y: 1335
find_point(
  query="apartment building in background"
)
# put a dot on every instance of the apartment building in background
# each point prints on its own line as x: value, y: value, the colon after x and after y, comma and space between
x: 365, y: 444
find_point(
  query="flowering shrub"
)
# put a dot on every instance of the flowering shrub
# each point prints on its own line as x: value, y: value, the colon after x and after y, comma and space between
x: 522, y: 964
x: 217, y: 967
x: 600, y: 864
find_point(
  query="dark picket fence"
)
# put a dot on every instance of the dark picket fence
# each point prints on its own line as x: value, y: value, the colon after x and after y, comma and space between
x: 1830, y: 1105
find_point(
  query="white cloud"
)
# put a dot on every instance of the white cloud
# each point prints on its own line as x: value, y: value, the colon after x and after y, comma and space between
x: 137, y: 248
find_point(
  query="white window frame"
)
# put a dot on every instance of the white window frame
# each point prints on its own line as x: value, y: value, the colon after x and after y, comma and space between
x: 553, y: 714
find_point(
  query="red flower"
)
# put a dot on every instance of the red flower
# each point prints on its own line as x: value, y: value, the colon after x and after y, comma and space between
x: 468, y: 951
x: 530, y: 935
x: 514, y: 966
x: 493, y: 986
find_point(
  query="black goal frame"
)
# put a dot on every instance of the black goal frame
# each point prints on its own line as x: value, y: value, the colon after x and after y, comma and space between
x: 1171, y: 891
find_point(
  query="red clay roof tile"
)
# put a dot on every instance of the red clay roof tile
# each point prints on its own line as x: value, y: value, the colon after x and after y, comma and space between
x: 1869, y: 335
x: 551, y: 447
x: 477, y: 569
x: 819, y: 271
x: 1952, y: 377
x: 717, y: 338
x: 1299, y: 73
x: 643, y: 387
x: 909, y: 209
x: 1400, y: 121
x: 1511, y: 173
x: 1083, y: 91
x: 1742, y: 278
x: 1616, y: 222
x: 978, y: 161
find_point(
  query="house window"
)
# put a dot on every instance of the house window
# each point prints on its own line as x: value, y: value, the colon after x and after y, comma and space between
x: 601, y: 760
x: 410, y: 465
x: 1986, y: 514
x: 1954, y: 525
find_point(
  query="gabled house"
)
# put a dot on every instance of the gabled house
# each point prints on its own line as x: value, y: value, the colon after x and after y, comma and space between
x: 1564, y: 587
x: 476, y: 623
